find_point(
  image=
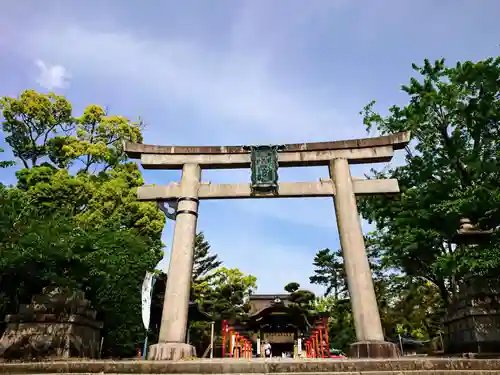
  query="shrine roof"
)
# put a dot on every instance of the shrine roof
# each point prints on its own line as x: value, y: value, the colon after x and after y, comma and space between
x: 282, y: 312
x: 261, y: 302
x: 269, y: 296
x: 397, y: 141
x: 282, y: 309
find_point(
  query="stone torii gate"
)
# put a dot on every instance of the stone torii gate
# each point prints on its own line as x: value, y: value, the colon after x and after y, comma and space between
x: 184, y: 197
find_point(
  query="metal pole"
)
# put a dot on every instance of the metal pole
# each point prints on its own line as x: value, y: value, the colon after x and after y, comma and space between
x: 442, y: 342
x: 145, y: 347
x: 212, y: 340
x: 100, y: 347
x: 401, y: 344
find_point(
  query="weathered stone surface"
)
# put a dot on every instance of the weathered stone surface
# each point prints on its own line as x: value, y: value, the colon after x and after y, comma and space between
x: 174, y: 318
x: 377, y: 154
x: 357, y: 268
x: 472, y: 322
x: 324, y: 188
x: 406, y: 366
x: 398, y: 140
x: 370, y: 349
x: 171, y: 351
x: 357, y: 151
x: 56, y: 324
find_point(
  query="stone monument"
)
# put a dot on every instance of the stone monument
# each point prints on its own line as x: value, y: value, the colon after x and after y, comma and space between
x: 184, y: 198
x: 56, y: 324
x: 472, y: 320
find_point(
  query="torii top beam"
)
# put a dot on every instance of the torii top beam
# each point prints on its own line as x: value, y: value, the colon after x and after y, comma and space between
x: 357, y: 151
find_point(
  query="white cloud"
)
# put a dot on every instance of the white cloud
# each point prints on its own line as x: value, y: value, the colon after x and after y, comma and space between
x: 223, y: 87
x: 52, y: 76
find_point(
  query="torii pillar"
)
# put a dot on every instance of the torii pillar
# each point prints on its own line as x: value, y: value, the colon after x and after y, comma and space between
x: 172, y: 343
x: 369, y: 334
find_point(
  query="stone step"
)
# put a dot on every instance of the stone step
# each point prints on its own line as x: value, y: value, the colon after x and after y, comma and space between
x: 401, y: 366
x: 422, y: 372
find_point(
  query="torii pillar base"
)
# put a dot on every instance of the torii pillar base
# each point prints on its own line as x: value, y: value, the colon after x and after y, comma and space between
x: 373, y: 349
x: 171, y: 351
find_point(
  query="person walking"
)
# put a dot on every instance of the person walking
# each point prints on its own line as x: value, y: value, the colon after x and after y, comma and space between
x: 267, y: 349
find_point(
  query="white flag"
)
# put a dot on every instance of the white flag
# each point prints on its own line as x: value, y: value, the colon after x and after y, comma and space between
x: 147, y: 287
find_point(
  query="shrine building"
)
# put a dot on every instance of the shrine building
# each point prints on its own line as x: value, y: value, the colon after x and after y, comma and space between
x: 271, y: 319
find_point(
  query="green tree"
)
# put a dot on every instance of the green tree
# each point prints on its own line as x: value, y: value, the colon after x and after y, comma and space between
x: 416, y: 308
x: 222, y: 294
x: 301, y: 298
x: 406, y: 304
x: 225, y: 294
x: 301, y: 306
x: 329, y: 271
x: 29, y: 122
x: 4, y: 163
x: 77, y: 188
x: 100, y: 187
x: 41, y: 249
x: 451, y: 171
x: 204, y: 262
x: 292, y: 287
x: 341, y: 331
x: 41, y: 127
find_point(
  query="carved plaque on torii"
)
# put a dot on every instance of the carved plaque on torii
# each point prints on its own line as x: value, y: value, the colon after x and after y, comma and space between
x: 264, y: 168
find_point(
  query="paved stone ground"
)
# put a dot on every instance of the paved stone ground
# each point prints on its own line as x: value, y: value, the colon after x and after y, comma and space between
x: 401, y: 366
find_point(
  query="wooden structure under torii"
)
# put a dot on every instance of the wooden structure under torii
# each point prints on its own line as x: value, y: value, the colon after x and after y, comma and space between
x: 184, y: 198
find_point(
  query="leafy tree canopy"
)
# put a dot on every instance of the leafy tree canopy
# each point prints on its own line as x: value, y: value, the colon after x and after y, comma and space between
x: 301, y: 306
x: 225, y: 294
x: 4, y: 163
x: 73, y: 219
x: 451, y: 171
x: 292, y: 287
x: 78, y: 162
x: 340, y: 321
x: 329, y: 272
x: 204, y: 262
x: 47, y: 249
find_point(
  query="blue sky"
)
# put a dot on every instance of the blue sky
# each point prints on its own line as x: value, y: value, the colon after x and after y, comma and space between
x: 241, y: 72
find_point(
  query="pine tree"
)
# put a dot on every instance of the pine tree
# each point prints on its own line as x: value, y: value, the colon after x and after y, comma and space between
x: 204, y: 262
